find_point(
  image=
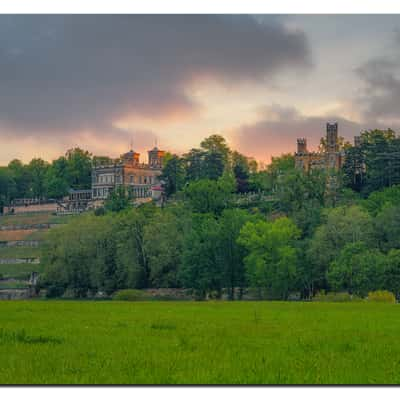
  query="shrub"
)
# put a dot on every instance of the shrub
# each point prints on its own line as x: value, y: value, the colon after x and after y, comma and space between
x: 99, y: 211
x: 335, y: 297
x: 382, y: 296
x: 131, y: 295
x: 54, y: 291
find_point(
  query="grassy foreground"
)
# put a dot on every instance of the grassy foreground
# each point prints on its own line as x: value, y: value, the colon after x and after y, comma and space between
x: 199, y: 343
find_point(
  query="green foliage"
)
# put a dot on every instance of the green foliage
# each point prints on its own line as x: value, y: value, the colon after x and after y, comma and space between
x: 392, y: 272
x: 342, y: 226
x: 43, y: 180
x: 130, y: 295
x: 387, y: 228
x: 271, y: 261
x: 382, y: 296
x: 118, y: 200
x: 163, y: 241
x: 81, y: 256
x: 173, y: 174
x: 380, y: 199
x: 200, y: 267
x: 335, y: 297
x: 374, y: 164
x: 38, y: 169
x: 302, y: 233
x: 357, y: 270
x: 210, y: 196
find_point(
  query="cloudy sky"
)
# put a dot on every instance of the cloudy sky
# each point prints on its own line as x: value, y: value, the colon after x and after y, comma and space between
x: 100, y: 82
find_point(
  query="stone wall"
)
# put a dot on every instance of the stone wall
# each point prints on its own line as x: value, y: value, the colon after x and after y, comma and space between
x: 22, y: 243
x: 32, y: 260
x: 25, y: 227
x: 15, y: 294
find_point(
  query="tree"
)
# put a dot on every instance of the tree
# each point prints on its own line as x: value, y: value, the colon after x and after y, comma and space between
x: 231, y: 253
x: 354, y: 168
x: 380, y: 199
x: 271, y: 261
x: 7, y: 187
x: 275, y: 172
x: 77, y: 256
x: 381, y: 158
x: 241, y: 170
x: 132, y: 257
x: 163, y: 242
x: 200, y: 267
x: 57, y: 182
x: 357, y: 270
x: 216, y: 144
x: 210, y: 196
x: 387, y: 227
x: 79, y: 168
x: 392, y: 272
x: 193, y: 162
x: 342, y: 225
x: 21, y: 176
x: 173, y: 174
x: 117, y: 200
x: 208, y: 162
x: 38, y: 170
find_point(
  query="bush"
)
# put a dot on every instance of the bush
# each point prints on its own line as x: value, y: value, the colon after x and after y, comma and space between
x: 382, y: 296
x: 98, y: 212
x: 54, y: 291
x: 335, y: 297
x: 131, y: 295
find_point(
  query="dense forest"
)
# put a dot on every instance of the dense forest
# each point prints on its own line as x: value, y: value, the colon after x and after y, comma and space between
x: 227, y: 225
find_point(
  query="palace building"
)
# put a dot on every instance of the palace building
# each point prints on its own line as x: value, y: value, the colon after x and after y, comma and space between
x: 332, y: 157
x: 138, y: 178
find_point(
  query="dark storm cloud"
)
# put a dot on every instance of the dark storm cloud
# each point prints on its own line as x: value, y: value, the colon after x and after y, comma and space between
x: 277, y: 132
x: 68, y: 73
x: 380, y: 96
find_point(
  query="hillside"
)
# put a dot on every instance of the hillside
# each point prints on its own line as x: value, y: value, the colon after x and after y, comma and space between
x: 21, y: 238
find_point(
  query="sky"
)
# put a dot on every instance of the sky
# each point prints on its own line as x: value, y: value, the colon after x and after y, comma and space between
x: 102, y: 82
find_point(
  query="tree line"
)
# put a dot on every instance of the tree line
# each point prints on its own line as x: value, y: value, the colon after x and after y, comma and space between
x: 316, y: 232
x: 41, y: 179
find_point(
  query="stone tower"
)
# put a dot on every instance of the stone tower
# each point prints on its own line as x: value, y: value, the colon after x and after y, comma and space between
x: 156, y: 157
x: 131, y: 157
x: 332, y: 145
x: 301, y: 145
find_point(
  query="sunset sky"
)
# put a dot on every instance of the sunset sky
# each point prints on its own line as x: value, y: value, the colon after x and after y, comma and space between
x: 100, y: 82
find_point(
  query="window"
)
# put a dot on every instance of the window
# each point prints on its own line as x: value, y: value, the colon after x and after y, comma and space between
x: 131, y: 179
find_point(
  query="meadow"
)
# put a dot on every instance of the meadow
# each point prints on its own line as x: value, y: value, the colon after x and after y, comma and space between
x: 109, y: 342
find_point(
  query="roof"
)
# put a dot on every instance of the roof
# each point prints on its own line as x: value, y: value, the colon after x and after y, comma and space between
x: 130, y: 154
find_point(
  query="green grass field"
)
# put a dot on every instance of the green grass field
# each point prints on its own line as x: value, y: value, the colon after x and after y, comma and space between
x: 198, y: 343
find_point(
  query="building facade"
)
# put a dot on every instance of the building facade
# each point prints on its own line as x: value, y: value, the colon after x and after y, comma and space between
x: 332, y: 157
x: 138, y: 178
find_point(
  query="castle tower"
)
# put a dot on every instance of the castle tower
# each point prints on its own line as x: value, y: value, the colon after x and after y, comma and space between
x: 332, y: 145
x: 156, y: 157
x: 302, y: 146
x: 131, y: 157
